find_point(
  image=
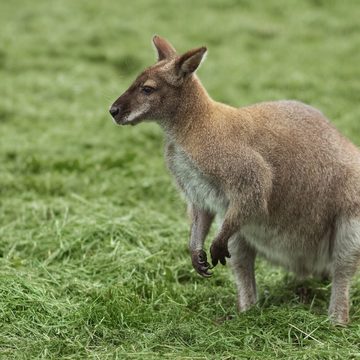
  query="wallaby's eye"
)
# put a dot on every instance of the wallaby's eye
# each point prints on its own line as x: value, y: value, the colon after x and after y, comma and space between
x: 147, y: 90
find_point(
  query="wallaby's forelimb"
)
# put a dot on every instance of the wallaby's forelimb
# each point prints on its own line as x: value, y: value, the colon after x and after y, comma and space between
x: 248, y: 192
x: 201, y: 223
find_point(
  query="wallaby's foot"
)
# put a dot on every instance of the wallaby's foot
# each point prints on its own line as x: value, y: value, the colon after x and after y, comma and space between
x: 245, y: 303
x: 219, y: 251
x: 339, y: 312
x: 339, y: 317
x: 339, y: 301
x: 200, y: 264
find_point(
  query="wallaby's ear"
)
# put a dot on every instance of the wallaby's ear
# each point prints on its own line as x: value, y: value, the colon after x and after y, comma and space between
x: 164, y: 49
x: 190, y: 61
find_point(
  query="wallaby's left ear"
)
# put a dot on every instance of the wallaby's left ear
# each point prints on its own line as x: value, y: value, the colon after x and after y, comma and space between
x: 164, y: 49
x: 190, y: 61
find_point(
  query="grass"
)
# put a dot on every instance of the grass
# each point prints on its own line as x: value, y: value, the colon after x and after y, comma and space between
x: 93, y: 235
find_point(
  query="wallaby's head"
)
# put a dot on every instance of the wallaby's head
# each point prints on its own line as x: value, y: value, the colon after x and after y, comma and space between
x: 159, y: 90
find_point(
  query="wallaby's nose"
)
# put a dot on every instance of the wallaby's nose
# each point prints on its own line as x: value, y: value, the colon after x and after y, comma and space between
x: 114, y: 110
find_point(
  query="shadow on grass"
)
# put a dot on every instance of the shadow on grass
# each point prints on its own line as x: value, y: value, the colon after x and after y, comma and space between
x: 311, y: 293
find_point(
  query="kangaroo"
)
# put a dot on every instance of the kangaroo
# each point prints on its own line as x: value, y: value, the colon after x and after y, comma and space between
x: 283, y: 181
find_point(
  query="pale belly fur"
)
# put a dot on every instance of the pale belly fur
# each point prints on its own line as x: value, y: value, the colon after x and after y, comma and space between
x: 279, y: 247
x: 288, y: 250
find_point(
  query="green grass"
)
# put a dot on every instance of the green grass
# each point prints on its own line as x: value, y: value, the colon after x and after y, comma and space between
x: 93, y: 235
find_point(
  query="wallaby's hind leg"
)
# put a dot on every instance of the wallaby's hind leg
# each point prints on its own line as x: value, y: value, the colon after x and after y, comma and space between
x: 346, y: 259
x: 243, y: 264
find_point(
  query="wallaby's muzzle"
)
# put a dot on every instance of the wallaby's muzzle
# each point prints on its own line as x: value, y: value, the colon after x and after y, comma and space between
x: 117, y: 113
x: 122, y: 110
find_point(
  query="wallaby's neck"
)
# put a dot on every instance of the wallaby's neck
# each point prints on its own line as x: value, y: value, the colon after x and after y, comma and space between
x: 195, y: 107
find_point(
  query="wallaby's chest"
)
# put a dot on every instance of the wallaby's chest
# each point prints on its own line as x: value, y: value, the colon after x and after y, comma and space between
x: 197, y: 187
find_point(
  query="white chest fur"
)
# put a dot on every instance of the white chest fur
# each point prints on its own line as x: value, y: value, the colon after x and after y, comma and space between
x: 198, y: 188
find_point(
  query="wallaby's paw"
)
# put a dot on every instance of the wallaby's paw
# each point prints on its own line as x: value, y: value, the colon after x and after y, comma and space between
x: 219, y: 252
x: 200, y: 264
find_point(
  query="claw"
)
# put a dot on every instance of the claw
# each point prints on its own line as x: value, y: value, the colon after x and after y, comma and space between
x: 206, y: 274
x: 200, y: 264
x: 203, y: 270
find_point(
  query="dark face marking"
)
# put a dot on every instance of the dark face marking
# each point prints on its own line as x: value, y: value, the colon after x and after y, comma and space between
x: 150, y: 96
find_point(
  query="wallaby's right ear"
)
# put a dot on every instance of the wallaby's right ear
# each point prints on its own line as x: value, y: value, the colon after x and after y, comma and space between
x: 164, y: 49
x: 188, y: 63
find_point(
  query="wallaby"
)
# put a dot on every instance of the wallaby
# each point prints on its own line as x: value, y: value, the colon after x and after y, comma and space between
x: 283, y: 181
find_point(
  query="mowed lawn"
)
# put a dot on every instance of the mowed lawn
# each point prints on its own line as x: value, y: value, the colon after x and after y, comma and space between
x: 93, y: 234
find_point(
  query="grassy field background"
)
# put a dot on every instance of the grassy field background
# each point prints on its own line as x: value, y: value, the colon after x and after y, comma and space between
x: 93, y: 235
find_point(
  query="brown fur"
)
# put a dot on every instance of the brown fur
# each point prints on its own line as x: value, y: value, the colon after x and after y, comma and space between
x: 282, y: 179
